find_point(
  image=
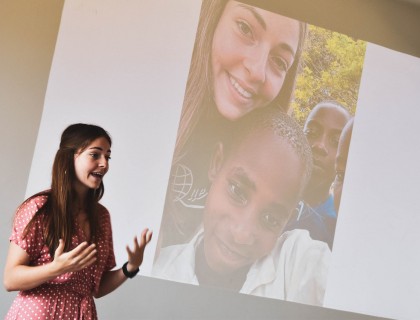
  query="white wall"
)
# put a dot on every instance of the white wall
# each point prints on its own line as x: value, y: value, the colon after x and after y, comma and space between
x: 28, y: 32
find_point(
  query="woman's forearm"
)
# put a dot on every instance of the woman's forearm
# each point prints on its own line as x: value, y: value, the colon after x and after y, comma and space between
x: 22, y: 277
x: 110, y: 281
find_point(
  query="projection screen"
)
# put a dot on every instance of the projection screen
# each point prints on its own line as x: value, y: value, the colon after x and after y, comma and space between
x: 172, y: 86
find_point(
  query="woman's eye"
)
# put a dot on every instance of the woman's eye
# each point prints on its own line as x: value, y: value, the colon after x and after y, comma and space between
x: 108, y: 158
x: 237, y: 193
x: 244, y: 28
x: 279, y: 63
x: 94, y: 156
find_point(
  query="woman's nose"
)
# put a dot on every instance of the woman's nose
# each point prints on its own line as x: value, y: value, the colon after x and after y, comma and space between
x: 103, y: 162
x: 256, y: 64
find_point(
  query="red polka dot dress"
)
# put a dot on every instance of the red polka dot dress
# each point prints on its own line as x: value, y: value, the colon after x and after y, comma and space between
x: 69, y: 296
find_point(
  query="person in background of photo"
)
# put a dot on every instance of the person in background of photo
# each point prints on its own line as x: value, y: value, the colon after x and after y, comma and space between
x: 341, y: 162
x: 257, y: 176
x: 244, y: 58
x: 61, y: 249
x: 316, y: 212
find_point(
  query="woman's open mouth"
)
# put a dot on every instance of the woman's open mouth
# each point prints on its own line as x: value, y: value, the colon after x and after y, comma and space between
x: 97, y: 175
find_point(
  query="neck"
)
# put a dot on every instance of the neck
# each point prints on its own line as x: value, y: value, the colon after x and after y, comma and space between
x: 79, y: 204
x: 315, y: 195
x: 80, y: 191
x: 208, y: 277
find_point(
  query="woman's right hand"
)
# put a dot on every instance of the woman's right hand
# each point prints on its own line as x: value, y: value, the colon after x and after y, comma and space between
x: 74, y: 260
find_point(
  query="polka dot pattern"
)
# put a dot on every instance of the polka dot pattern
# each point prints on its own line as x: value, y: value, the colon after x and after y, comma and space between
x: 70, y: 295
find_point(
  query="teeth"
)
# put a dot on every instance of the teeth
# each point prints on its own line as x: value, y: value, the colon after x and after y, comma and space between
x: 239, y: 89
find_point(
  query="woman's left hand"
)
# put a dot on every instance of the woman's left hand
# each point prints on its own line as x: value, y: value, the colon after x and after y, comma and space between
x: 135, y: 256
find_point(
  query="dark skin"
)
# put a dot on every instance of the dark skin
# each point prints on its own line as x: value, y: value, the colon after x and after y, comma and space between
x: 249, y: 202
x: 341, y: 162
x: 322, y: 129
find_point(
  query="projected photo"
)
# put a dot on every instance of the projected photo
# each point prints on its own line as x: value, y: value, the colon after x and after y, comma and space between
x: 260, y: 157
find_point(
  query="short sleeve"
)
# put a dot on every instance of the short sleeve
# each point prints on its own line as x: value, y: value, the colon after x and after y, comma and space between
x: 32, y: 243
x: 110, y: 263
x: 105, y: 247
x: 106, y: 241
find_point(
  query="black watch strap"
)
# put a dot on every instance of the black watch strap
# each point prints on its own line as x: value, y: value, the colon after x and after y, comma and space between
x: 128, y: 274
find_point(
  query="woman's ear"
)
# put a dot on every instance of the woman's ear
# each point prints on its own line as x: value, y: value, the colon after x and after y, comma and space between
x: 216, y: 161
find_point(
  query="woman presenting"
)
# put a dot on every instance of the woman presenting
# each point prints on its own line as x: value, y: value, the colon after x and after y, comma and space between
x: 61, y: 251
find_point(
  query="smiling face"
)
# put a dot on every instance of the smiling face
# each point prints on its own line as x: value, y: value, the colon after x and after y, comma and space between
x: 322, y: 129
x: 91, y: 164
x: 251, y: 53
x: 252, y: 195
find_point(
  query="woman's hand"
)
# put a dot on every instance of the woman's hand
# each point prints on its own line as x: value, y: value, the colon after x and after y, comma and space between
x: 77, y: 259
x: 20, y: 275
x: 114, y: 278
x: 135, y: 256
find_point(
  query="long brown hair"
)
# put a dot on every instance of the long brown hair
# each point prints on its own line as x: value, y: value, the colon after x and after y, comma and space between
x: 198, y: 92
x: 60, y: 205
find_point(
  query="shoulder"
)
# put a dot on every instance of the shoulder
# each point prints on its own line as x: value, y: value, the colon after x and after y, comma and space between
x: 102, y: 208
x: 306, y: 262
x: 302, y: 238
x: 300, y: 246
x: 28, y: 225
x: 171, y: 253
x: 103, y: 212
x: 104, y: 220
x: 35, y: 202
x: 175, y: 263
x: 326, y: 209
x: 28, y: 209
x: 171, y: 258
